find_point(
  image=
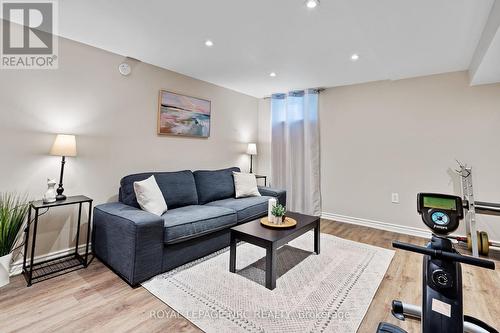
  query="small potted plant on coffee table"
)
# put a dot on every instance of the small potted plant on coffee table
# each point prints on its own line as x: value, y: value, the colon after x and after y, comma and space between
x: 278, y: 213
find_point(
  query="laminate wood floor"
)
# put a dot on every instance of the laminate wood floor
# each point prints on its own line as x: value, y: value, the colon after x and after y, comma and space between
x: 97, y: 300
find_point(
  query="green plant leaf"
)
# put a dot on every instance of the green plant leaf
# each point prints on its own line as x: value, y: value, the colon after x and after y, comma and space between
x: 13, y: 211
x: 278, y: 210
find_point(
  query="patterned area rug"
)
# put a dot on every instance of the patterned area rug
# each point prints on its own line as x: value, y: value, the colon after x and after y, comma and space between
x: 329, y: 292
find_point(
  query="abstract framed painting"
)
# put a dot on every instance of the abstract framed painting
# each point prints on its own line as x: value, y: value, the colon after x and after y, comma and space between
x: 182, y: 115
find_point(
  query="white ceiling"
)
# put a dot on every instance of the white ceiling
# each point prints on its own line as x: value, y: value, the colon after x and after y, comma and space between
x: 306, y: 48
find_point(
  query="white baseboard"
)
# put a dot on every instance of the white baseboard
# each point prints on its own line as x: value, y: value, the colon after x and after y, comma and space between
x: 412, y: 231
x: 17, y: 267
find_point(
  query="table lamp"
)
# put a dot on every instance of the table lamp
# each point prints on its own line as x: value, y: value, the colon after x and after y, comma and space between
x: 251, y: 150
x: 64, y: 146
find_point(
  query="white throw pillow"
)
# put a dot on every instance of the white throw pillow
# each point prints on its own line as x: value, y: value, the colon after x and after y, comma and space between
x: 149, y: 196
x: 245, y: 185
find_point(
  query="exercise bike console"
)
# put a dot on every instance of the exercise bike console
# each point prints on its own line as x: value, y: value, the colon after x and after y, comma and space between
x: 441, y: 213
x: 442, y: 299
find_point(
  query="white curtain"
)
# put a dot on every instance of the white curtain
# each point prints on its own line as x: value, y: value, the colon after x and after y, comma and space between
x: 295, y: 149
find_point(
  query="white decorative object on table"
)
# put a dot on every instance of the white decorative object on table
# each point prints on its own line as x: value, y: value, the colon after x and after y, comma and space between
x: 270, y: 204
x: 50, y: 195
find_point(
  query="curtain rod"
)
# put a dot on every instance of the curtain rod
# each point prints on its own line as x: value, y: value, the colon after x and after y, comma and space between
x: 317, y: 89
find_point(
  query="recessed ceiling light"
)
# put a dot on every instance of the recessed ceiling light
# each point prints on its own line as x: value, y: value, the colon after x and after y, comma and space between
x: 355, y: 57
x: 209, y: 43
x: 312, y: 3
x: 272, y: 74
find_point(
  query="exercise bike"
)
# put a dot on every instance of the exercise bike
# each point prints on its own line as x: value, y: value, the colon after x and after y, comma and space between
x: 442, y: 299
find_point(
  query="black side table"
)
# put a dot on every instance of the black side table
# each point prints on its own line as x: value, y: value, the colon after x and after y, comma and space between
x: 40, y: 271
x: 262, y: 177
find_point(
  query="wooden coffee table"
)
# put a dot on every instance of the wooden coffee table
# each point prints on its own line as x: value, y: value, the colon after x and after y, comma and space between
x: 272, y: 239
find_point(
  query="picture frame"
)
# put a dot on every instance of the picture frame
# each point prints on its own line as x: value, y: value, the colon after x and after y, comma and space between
x: 183, y: 115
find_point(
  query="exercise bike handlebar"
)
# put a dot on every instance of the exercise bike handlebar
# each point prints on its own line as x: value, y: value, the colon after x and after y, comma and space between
x: 438, y: 254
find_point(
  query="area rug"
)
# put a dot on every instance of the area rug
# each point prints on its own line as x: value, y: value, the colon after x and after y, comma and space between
x: 330, y: 292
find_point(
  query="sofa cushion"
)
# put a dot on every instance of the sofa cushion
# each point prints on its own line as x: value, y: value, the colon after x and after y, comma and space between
x: 247, y: 209
x: 194, y: 221
x: 178, y: 188
x: 214, y: 185
x: 245, y: 185
x: 149, y: 196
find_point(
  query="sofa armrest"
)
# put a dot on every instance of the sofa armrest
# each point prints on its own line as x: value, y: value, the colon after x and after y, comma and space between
x: 272, y: 192
x: 128, y: 240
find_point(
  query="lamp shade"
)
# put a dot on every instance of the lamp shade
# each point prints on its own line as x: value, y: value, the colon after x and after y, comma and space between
x: 252, y: 149
x: 64, y: 145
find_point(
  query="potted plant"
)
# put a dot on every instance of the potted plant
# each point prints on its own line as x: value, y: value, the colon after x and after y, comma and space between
x: 13, y: 210
x: 278, y: 213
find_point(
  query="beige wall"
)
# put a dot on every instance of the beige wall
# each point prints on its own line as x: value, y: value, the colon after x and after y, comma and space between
x: 404, y: 136
x: 264, y: 133
x: 114, y: 118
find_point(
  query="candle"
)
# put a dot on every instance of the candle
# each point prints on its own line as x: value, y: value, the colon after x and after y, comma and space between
x: 270, y: 205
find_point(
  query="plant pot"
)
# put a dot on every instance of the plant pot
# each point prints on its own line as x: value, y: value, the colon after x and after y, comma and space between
x: 5, y: 269
x: 277, y: 220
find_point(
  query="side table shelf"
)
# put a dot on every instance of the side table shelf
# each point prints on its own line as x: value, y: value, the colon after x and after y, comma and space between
x: 40, y: 271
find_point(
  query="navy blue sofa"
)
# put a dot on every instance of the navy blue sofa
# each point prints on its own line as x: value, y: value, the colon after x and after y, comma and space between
x: 202, y: 207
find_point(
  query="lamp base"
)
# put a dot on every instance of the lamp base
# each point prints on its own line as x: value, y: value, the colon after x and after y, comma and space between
x: 60, y: 197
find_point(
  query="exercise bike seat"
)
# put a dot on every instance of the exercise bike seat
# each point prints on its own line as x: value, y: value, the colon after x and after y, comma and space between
x: 389, y: 328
